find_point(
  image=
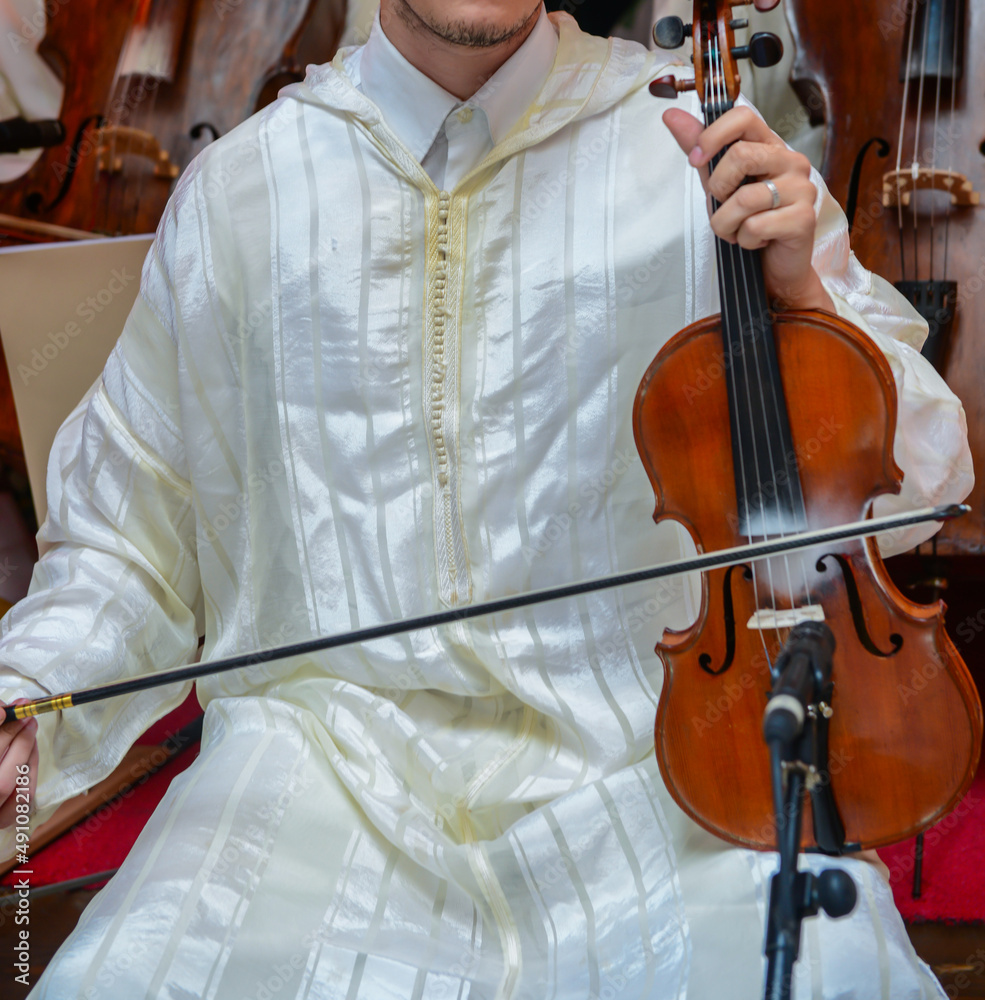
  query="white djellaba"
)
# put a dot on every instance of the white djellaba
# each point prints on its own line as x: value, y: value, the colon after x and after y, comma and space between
x: 345, y: 396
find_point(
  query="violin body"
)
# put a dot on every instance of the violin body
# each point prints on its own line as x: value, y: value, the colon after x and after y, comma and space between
x: 906, y: 727
x: 857, y: 107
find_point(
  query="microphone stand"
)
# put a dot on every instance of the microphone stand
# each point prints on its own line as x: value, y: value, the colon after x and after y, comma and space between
x: 18, y: 133
x: 795, y: 727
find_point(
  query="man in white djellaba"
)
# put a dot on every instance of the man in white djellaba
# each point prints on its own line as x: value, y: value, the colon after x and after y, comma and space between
x: 383, y: 362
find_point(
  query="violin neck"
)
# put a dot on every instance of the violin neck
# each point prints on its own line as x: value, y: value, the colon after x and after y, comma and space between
x: 768, y: 490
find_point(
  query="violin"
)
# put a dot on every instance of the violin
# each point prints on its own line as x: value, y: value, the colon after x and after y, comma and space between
x: 903, y: 152
x: 791, y: 430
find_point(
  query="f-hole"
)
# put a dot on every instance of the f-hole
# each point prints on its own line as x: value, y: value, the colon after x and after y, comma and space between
x: 855, y: 606
x: 728, y: 613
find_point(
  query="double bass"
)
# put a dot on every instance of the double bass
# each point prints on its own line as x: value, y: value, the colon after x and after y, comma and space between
x: 905, y: 153
x: 148, y: 84
x: 792, y: 431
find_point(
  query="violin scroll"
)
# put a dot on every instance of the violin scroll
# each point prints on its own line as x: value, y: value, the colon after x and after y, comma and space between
x: 715, y: 50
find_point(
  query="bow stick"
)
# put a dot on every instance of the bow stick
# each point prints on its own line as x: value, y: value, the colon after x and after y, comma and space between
x: 703, y: 561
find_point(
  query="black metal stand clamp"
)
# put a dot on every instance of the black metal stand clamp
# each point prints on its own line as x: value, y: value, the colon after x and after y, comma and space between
x: 795, y: 727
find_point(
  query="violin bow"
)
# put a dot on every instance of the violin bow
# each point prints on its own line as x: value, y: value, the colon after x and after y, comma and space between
x: 752, y: 552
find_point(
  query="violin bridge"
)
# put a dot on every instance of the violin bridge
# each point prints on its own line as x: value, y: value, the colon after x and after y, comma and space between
x: 770, y: 618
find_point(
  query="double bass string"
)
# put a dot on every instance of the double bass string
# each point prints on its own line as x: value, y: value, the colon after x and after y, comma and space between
x: 937, y: 117
x: 950, y: 165
x: 117, y: 99
x: 936, y: 136
x: 159, y: 54
x: 941, y: 12
x: 915, y: 168
x: 958, y: 22
x: 899, y: 144
x: 146, y: 61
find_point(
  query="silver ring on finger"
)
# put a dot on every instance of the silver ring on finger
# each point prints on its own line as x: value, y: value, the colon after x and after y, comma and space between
x: 774, y: 194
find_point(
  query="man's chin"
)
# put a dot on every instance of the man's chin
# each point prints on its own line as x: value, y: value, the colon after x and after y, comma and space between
x: 475, y: 33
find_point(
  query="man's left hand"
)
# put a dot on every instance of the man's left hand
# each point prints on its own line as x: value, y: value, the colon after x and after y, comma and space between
x: 747, y: 215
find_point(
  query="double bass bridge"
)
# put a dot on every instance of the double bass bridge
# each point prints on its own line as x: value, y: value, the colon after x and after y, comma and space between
x: 899, y: 186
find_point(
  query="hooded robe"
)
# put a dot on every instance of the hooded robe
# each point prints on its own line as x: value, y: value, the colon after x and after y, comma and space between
x: 345, y: 397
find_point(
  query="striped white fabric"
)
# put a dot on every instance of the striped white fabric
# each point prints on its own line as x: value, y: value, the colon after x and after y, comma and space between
x: 345, y: 397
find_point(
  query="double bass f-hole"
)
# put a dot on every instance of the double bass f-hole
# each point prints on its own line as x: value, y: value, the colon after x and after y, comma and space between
x: 745, y: 478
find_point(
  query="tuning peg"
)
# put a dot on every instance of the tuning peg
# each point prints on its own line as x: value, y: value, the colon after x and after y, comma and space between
x: 669, y: 86
x: 764, y: 49
x: 739, y: 22
x: 670, y: 32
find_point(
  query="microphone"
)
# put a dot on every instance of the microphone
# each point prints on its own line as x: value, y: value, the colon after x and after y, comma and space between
x: 18, y: 133
x: 803, y: 669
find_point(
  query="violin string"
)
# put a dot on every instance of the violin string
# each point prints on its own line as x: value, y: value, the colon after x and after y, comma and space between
x: 902, y: 125
x: 916, y: 145
x: 758, y: 308
x: 737, y: 263
x: 714, y: 102
x: 711, y: 97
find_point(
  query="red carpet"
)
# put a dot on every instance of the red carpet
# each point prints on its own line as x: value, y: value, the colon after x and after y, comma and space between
x: 953, y: 864
x: 102, y: 841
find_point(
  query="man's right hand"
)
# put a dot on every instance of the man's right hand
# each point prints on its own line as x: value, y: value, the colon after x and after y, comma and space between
x: 18, y: 746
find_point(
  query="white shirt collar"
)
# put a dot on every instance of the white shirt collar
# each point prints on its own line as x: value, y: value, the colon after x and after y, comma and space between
x: 415, y: 107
